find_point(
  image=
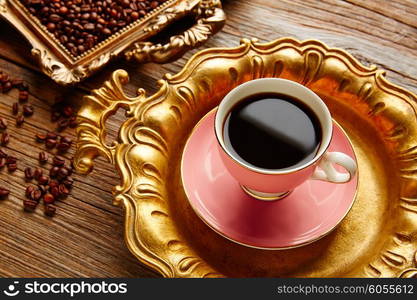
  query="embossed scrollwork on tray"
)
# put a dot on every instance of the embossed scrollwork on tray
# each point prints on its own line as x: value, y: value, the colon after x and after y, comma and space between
x: 210, y: 18
x: 63, y: 75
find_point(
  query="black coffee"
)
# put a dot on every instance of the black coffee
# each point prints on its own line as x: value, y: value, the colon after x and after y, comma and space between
x: 272, y: 131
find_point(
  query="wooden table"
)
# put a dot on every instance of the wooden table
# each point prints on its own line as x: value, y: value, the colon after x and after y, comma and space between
x: 85, y: 238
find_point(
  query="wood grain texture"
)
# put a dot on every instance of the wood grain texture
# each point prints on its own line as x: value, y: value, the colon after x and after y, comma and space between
x: 85, y: 238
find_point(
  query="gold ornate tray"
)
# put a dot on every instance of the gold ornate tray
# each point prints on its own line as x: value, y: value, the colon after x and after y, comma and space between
x: 378, y: 238
x: 133, y: 41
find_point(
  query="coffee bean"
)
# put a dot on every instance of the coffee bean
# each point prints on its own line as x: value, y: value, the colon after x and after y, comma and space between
x: 37, y: 173
x: 55, y: 18
x: 4, y: 193
x: 49, y: 210
x: 63, y: 10
x: 50, y: 143
x: 40, y: 138
x: 58, y: 161
x: 63, y: 39
x: 51, y: 26
x: 6, y: 87
x: 134, y: 15
x: 106, y: 31
x: 23, y: 96
x: 43, y: 180
x: 11, y: 167
x: 20, y: 120
x: 29, y: 190
x: 53, y: 172
x: 43, y: 157
x: 29, y: 205
x: 48, y: 198
x: 5, y: 137
x: 27, y: 110
x: 36, y: 194
x: 89, y: 26
x: 62, y: 173
x: 15, y: 108
x: 3, y: 123
x: 11, y: 160
x: 63, y: 124
x: 29, y: 173
x: 63, y: 147
x: 63, y: 190
x: 53, y: 183
x: 68, y: 182
x: 66, y: 139
x: 54, y: 191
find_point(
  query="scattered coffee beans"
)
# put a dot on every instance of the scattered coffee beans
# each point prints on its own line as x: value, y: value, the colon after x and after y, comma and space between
x: 47, y: 189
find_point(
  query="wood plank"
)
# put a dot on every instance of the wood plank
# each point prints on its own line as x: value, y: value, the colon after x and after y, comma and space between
x: 85, y: 238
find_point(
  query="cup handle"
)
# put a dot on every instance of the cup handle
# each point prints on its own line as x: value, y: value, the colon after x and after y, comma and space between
x: 327, y: 172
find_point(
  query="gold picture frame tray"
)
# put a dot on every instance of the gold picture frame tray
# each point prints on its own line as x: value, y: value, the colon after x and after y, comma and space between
x: 132, y: 42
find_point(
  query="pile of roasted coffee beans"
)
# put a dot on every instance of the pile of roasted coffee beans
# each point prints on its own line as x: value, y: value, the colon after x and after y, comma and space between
x: 6, y: 85
x: 81, y: 24
x: 58, y: 182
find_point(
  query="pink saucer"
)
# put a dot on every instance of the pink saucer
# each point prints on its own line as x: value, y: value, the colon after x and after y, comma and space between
x: 310, y: 212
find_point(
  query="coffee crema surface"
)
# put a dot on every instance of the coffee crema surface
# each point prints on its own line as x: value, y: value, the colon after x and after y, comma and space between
x: 272, y: 131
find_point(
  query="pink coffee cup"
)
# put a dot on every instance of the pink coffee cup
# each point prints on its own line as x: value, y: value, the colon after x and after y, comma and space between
x: 266, y: 184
